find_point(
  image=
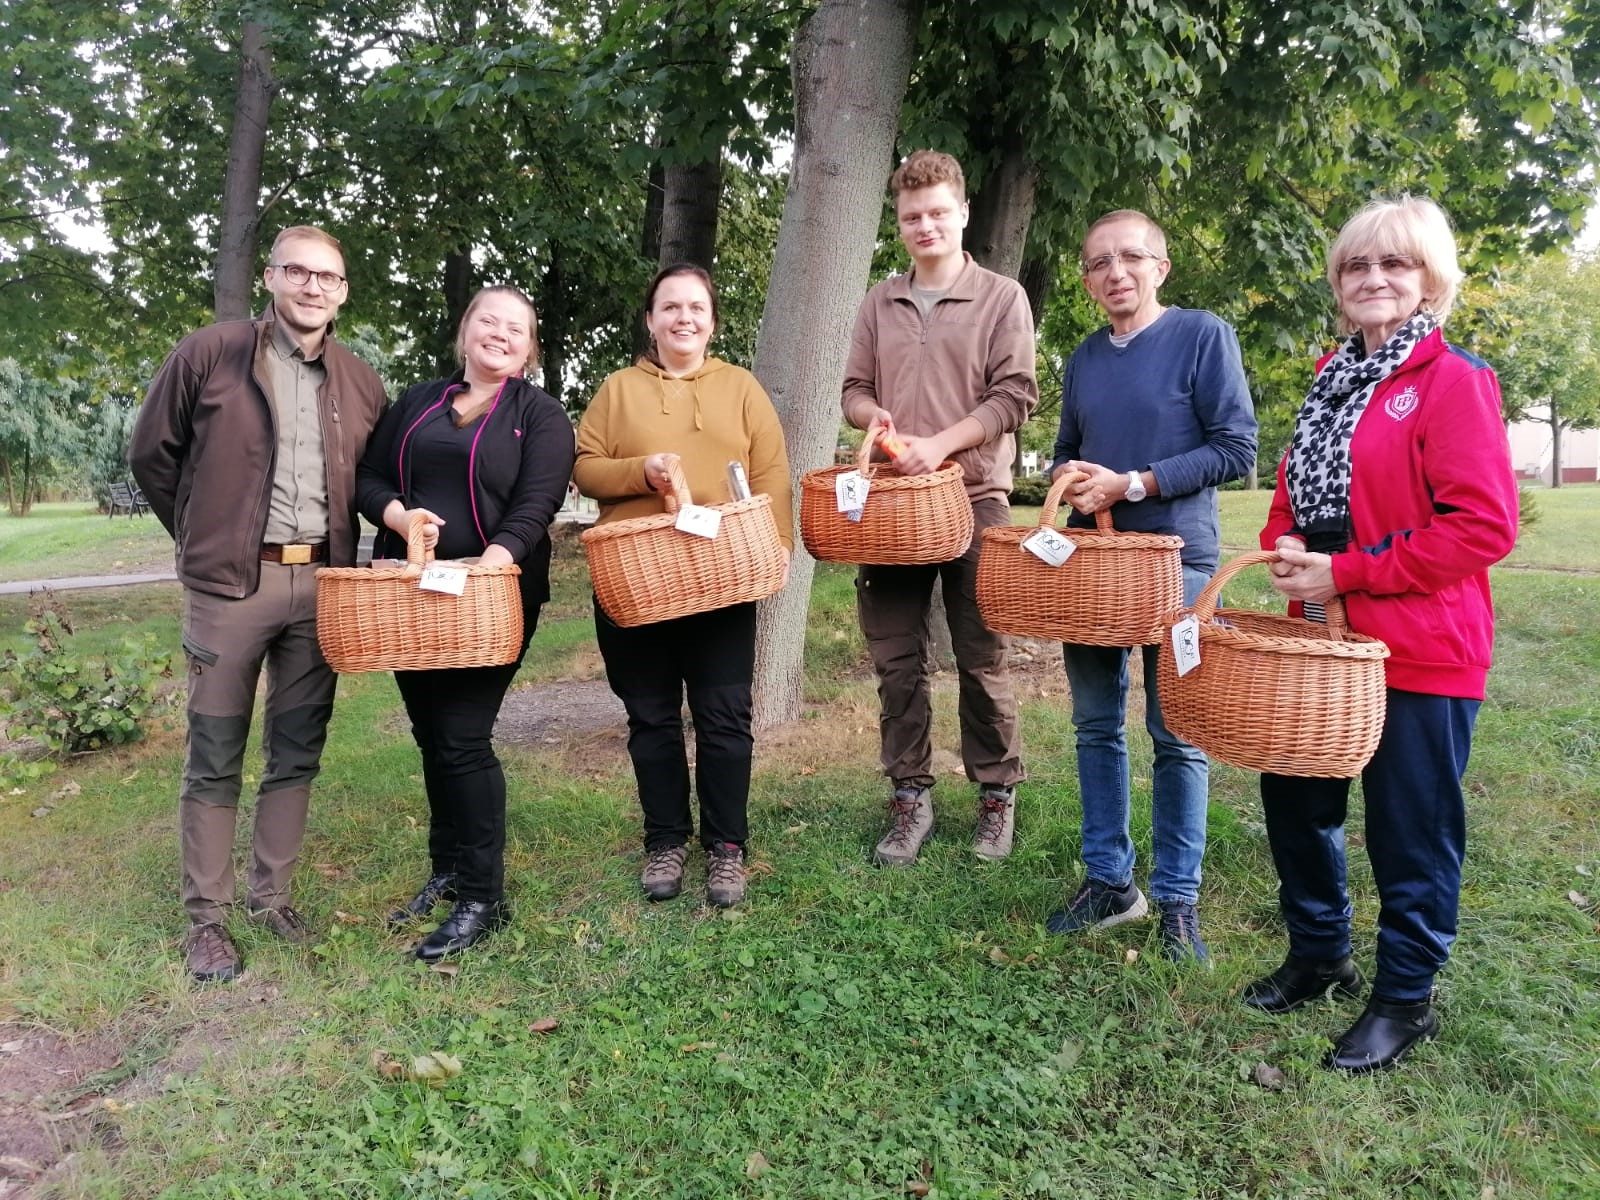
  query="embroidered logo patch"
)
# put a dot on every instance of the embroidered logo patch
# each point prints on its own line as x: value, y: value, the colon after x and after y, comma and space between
x: 1400, y: 404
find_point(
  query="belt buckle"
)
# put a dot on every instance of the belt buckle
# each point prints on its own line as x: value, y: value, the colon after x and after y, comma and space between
x: 296, y: 554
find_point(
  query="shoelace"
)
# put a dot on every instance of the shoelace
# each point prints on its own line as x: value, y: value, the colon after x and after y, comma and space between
x: 293, y: 919
x: 212, y: 943
x: 905, y: 815
x: 664, y: 859
x: 991, y: 819
x: 725, y: 868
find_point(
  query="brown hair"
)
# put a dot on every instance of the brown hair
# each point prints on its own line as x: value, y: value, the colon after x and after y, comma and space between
x: 666, y: 273
x: 307, y: 233
x: 925, y: 169
x: 516, y: 293
x: 1155, y: 236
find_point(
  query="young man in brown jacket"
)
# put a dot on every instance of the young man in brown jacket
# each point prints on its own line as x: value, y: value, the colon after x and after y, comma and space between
x: 943, y: 356
x: 246, y: 447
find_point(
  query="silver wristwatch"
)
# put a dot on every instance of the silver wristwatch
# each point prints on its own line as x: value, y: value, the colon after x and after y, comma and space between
x: 1136, y: 488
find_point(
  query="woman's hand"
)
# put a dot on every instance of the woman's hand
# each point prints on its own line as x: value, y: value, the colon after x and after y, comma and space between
x: 495, y: 555
x: 657, y: 470
x: 1310, y: 575
x: 398, y: 518
x: 1287, y: 541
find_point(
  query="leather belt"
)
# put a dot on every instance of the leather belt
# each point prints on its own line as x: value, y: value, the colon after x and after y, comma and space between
x: 294, y: 553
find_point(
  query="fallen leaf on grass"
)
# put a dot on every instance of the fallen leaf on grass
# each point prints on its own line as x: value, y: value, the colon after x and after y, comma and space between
x: 448, y: 969
x: 1000, y: 958
x: 435, y: 1068
x: 66, y: 790
x: 345, y: 918
x: 691, y: 1047
x: 1577, y: 900
x: 759, y: 867
x: 918, y: 1187
x: 1582, y: 870
x: 12, y: 1167
x: 756, y: 1165
x: 387, y: 1065
x: 329, y: 871
x: 808, y: 770
x: 13, y: 1047
x: 44, y: 810
x: 1130, y: 956
x: 1268, y: 1077
x: 544, y: 1025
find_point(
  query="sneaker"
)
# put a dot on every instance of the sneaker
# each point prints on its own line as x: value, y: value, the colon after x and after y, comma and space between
x: 724, y: 874
x: 211, y: 955
x: 662, y: 877
x: 284, y: 922
x: 997, y: 822
x: 1180, y: 933
x: 911, y: 811
x: 1098, y: 904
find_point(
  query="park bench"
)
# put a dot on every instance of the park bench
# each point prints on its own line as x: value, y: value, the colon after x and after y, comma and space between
x: 126, y: 498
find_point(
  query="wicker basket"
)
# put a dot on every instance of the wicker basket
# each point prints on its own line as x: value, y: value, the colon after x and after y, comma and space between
x: 1273, y: 692
x: 644, y: 570
x: 1114, y: 590
x: 377, y: 618
x: 907, y: 519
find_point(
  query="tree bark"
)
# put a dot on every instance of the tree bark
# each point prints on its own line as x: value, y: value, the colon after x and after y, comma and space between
x: 650, y: 241
x: 852, y: 61
x: 1555, y: 444
x: 457, y: 295
x: 1003, y: 209
x: 241, y: 189
x: 691, y: 196
x: 553, y: 324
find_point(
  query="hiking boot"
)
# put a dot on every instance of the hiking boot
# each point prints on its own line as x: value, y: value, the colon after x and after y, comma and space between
x: 285, y: 923
x: 997, y: 822
x: 211, y: 955
x: 911, y: 811
x: 1300, y: 980
x: 436, y: 891
x: 1383, y: 1035
x: 1099, y: 904
x: 724, y: 874
x: 1180, y: 933
x: 662, y: 877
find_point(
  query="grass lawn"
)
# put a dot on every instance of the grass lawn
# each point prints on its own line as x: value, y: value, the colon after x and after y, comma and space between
x: 57, y: 540
x: 849, y: 1032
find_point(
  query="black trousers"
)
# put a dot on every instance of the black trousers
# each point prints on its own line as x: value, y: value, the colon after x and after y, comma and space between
x: 712, y: 656
x: 452, y: 713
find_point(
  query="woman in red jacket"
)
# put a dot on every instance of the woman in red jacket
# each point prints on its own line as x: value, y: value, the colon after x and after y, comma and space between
x: 1396, y: 495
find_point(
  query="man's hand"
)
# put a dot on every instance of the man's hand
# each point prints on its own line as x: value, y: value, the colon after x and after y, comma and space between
x: 922, y: 455
x: 1102, y: 489
x: 1310, y: 575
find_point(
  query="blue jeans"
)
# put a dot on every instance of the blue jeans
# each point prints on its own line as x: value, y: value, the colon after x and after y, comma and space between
x: 1098, y: 677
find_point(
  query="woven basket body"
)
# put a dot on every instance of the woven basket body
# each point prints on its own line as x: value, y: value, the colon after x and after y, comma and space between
x: 1273, y: 692
x: 908, y: 519
x: 378, y: 619
x: 645, y: 570
x: 1115, y: 590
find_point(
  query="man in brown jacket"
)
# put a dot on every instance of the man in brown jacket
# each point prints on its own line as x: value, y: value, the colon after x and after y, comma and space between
x: 246, y: 447
x: 943, y: 357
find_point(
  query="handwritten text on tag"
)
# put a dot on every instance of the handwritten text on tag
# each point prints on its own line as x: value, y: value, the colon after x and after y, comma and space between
x: 851, y: 489
x: 440, y: 578
x: 1186, y: 645
x: 1050, y: 546
x: 699, y: 520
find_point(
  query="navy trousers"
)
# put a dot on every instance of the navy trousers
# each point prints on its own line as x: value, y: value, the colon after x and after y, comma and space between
x: 1416, y: 834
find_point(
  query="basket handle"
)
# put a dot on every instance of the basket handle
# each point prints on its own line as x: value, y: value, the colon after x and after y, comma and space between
x: 418, y: 555
x: 677, y: 493
x: 1052, y: 501
x: 864, y: 455
x: 1205, y: 604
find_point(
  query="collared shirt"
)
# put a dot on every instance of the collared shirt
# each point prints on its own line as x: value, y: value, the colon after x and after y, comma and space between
x: 299, y: 506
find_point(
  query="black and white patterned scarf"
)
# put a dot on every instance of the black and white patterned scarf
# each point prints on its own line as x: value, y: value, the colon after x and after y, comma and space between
x: 1318, y: 472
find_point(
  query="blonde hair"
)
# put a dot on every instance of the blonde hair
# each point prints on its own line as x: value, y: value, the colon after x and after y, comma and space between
x: 925, y: 169
x: 306, y: 233
x: 1411, y: 225
x: 1155, y: 236
x: 500, y: 289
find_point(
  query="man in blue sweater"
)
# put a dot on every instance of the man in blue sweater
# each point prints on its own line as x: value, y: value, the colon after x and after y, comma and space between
x: 1156, y: 410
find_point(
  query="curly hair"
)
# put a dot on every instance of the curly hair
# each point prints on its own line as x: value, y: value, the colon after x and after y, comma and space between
x: 925, y: 169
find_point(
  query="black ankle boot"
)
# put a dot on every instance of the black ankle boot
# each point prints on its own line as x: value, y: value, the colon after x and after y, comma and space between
x: 469, y: 922
x: 434, y: 893
x: 1302, y: 979
x: 1383, y: 1035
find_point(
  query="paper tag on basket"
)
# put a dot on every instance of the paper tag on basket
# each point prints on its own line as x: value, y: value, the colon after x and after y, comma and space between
x: 699, y: 520
x: 438, y: 577
x: 1186, y: 644
x: 851, y: 490
x: 1050, y: 546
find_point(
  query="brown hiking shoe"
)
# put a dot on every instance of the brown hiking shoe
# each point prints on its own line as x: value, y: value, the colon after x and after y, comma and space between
x: 212, y: 956
x: 911, y: 810
x: 285, y: 923
x: 725, y: 874
x: 997, y: 822
x: 662, y: 877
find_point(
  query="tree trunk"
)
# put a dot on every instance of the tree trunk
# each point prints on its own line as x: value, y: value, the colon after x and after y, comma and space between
x: 852, y: 61
x: 1002, y: 211
x: 241, y: 190
x: 650, y: 241
x: 1555, y: 444
x: 1038, y: 280
x: 691, y: 195
x: 457, y: 294
x: 553, y: 324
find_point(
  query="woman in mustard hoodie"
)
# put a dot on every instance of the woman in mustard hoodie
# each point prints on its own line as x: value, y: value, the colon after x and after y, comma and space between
x: 679, y: 403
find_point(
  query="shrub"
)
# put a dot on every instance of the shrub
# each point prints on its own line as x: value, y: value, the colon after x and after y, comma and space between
x: 1527, y: 509
x: 70, y: 703
x: 1030, y: 489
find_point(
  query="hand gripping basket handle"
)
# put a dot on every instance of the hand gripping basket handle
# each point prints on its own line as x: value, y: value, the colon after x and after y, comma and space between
x: 1052, y: 501
x: 1205, y: 604
x: 418, y: 555
x: 677, y: 493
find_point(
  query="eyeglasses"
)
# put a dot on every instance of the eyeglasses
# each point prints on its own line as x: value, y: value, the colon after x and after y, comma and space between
x: 1129, y: 258
x: 298, y: 276
x: 1389, y: 264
